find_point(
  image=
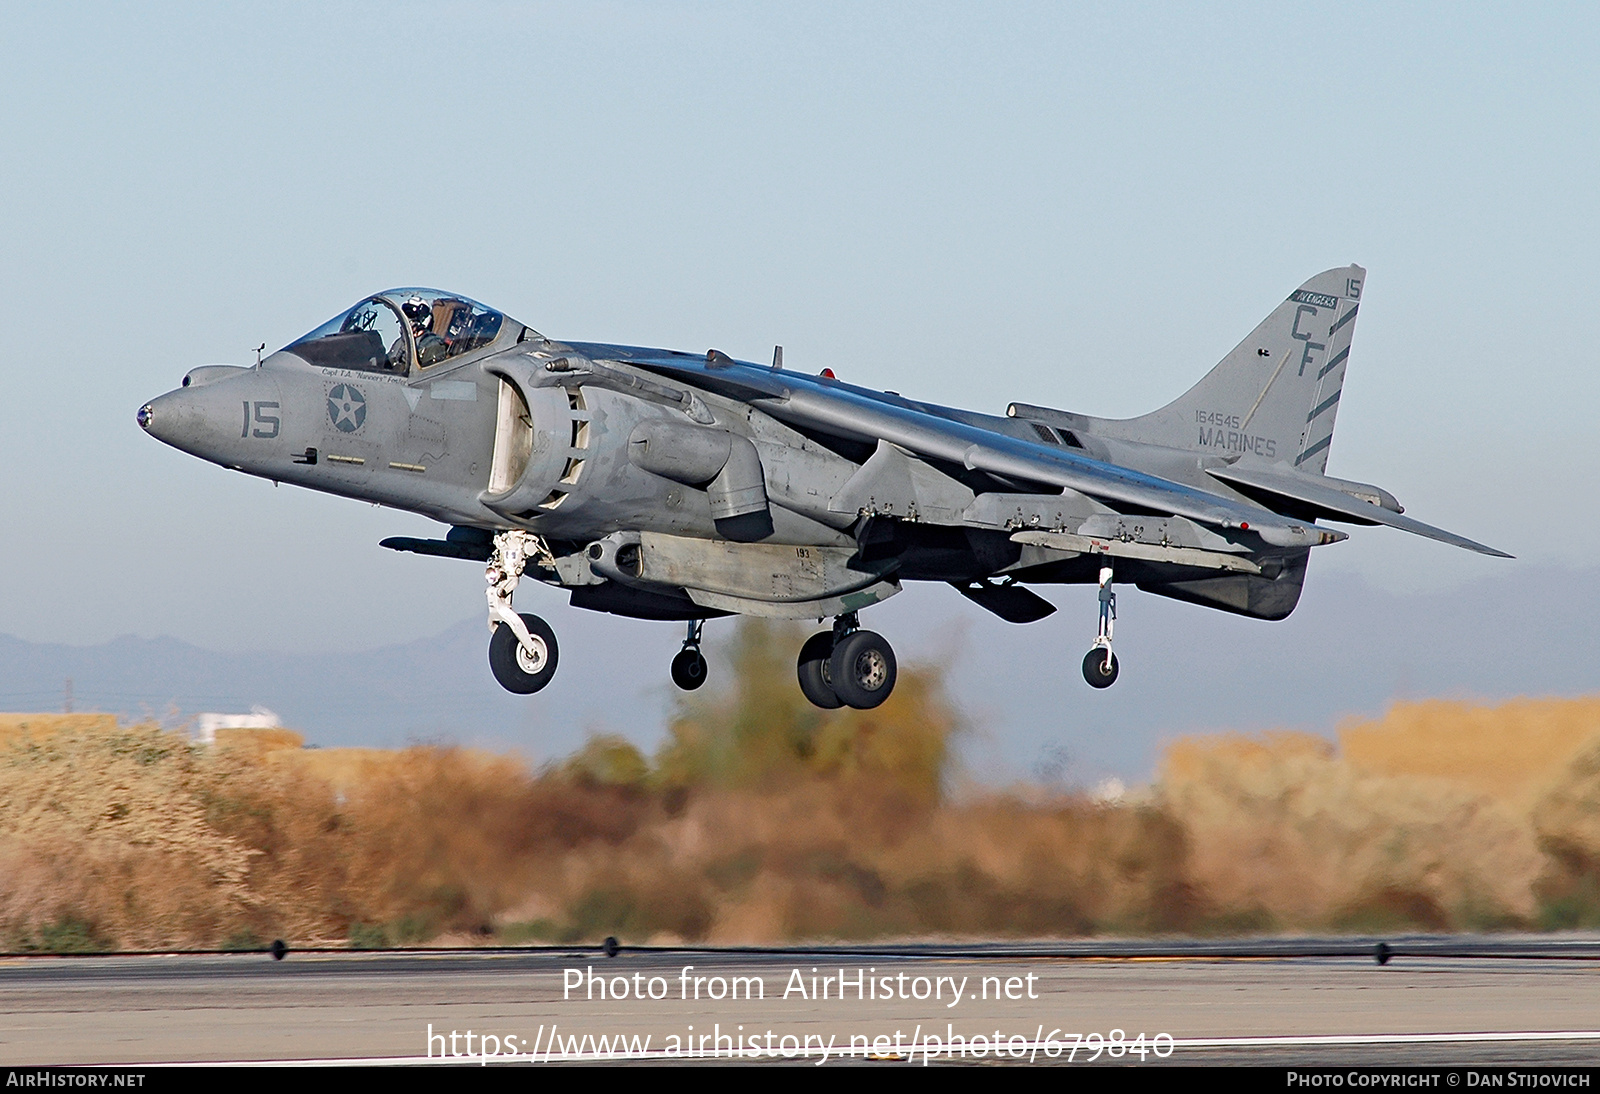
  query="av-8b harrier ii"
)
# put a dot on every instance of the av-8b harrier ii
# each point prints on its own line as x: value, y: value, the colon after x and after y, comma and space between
x: 684, y: 486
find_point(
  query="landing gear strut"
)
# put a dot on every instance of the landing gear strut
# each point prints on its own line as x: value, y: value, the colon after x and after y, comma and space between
x: 522, y: 648
x: 1100, y: 664
x: 689, y: 667
x: 846, y: 666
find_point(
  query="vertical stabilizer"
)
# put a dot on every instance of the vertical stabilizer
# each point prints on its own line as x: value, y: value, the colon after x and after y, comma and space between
x: 1277, y: 394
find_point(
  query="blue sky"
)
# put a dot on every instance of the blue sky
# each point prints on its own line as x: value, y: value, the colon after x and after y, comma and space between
x: 1082, y: 206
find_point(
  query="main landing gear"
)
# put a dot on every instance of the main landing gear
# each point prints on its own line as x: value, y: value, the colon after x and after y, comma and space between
x: 689, y: 667
x: 1100, y: 664
x: 846, y: 666
x: 522, y: 648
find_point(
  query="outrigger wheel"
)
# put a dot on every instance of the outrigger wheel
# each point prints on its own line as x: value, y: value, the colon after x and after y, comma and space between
x: 1100, y: 664
x: 1100, y: 667
x: 523, y: 669
x: 689, y: 667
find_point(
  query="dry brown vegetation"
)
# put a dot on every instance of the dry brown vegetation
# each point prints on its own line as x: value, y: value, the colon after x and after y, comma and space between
x: 763, y: 819
x: 1440, y: 815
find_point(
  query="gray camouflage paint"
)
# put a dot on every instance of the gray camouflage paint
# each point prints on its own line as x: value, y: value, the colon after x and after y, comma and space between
x: 877, y: 488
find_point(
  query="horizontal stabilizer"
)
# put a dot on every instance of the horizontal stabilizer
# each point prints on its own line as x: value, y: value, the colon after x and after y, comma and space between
x: 1008, y: 600
x: 1334, y: 504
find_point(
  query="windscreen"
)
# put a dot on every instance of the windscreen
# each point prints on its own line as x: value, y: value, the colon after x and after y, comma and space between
x: 370, y: 337
x: 398, y: 330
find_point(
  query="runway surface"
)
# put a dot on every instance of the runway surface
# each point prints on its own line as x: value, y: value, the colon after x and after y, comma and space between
x: 974, y: 1008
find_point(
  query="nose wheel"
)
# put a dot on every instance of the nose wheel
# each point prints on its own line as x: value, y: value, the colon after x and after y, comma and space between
x: 846, y: 666
x: 522, y: 648
x: 523, y: 665
x: 689, y: 667
x: 1100, y: 664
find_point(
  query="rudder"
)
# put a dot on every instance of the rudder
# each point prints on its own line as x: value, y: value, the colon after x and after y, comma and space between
x: 1277, y: 394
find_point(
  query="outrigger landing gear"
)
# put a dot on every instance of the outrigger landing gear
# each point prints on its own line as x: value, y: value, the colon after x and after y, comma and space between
x: 846, y: 666
x: 689, y: 667
x: 522, y: 648
x: 1100, y: 664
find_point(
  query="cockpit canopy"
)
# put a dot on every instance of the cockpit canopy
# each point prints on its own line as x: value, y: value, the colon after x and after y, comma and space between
x: 399, y: 330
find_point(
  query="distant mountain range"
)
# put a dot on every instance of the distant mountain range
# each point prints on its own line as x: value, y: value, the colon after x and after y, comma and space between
x: 1348, y: 650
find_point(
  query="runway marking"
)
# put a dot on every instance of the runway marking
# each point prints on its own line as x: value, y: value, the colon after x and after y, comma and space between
x: 1306, y: 1041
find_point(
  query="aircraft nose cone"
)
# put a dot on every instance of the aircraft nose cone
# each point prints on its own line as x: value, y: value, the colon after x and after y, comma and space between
x: 169, y: 418
x: 228, y: 416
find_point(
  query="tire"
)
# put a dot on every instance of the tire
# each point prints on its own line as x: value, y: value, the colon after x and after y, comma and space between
x: 815, y: 673
x: 689, y: 669
x: 1096, y: 671
x: 511, y: 665
x: 863, y: 669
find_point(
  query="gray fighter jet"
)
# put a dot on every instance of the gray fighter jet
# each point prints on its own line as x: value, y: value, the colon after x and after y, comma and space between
x: 683, y: 486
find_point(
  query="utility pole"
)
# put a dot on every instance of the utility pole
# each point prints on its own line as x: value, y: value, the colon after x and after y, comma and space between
x: 68, y: 708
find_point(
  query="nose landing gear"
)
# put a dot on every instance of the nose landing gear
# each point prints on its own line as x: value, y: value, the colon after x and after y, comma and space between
x: 846, y: 666
x: 522, y: 648
x: 1100, y: 664
x: 523, y: 662
x: 689, y: 667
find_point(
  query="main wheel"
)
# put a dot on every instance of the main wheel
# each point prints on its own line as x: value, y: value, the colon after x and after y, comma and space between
x: 689, y: 669
x: 862, y: 669
x: 1100, y: 667
x: 519, y: 670
x: 815, y: 673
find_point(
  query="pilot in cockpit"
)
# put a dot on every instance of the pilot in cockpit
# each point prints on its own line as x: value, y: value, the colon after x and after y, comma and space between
x: 430, y: 347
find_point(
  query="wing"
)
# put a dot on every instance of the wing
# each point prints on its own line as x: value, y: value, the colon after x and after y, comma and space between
x: 843, y: 410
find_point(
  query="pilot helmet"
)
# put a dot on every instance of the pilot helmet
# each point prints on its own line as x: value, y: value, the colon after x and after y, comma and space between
x: 418, y: 311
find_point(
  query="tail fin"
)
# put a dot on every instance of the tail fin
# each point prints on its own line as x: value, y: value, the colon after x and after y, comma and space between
x: 1277, y: 394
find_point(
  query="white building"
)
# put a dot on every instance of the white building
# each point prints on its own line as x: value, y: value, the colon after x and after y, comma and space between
x: 258, y: 718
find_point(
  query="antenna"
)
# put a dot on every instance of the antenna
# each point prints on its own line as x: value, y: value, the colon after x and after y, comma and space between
x: 777, y: 358
x: 259, y: 348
